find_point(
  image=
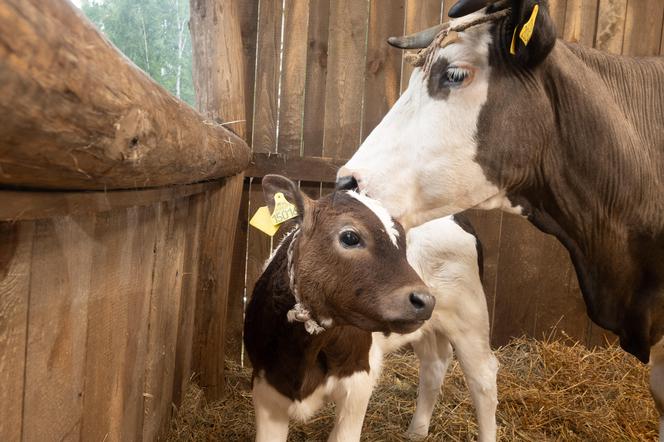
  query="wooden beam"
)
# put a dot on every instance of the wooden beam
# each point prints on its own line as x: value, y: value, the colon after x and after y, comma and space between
x: 25, y: 205
x: 218, y: 73
x: 77, y: 114
x: 317, y: 169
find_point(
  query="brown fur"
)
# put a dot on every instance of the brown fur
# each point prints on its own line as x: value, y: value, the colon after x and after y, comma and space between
x: 584, y: 156
x: 357, y: 290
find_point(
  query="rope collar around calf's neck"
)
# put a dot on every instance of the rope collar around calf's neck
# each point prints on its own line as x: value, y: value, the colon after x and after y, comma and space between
x: 299, y: 312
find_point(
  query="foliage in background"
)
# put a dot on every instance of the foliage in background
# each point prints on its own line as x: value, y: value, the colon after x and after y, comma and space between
x: 154, y: 34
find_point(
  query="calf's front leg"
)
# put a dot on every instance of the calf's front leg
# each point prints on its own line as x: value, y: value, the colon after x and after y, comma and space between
x: 271, y: 408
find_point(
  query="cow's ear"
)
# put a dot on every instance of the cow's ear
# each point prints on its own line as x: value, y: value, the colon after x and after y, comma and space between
x: 532, y: 33
x: 273, y: 184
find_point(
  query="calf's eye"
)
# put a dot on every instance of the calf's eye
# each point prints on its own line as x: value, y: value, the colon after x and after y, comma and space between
x: 348, y: 238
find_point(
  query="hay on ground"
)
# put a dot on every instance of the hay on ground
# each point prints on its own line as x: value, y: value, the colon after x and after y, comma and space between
x: 547, y: 391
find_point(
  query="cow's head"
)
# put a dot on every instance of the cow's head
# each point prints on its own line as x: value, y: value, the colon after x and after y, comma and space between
x: 348, y: 262
x: 473, y: 108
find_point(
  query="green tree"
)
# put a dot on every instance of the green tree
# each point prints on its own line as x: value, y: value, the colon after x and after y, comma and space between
x: 154, y: 34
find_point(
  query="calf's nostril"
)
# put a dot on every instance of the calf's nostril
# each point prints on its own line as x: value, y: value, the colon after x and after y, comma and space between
x: 347, y: 182
x: 417, y: 300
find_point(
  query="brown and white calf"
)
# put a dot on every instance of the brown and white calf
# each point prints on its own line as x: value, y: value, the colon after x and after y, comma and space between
x: 343, y: 273
x: 501, y: 114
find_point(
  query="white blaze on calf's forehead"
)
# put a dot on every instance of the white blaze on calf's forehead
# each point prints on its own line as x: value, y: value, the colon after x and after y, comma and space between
x: 381, y: 213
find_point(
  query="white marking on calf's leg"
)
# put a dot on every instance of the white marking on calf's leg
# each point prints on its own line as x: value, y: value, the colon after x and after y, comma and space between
x: 351, y: 397
x: 381, y: 213
x: 271, y: 408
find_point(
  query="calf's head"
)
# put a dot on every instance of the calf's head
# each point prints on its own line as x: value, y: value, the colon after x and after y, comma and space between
x: 472, y: 109
x: 348, y: 262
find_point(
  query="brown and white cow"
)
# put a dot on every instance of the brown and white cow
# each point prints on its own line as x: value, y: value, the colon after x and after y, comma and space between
x: 568, y: 136
x: 343, y: 273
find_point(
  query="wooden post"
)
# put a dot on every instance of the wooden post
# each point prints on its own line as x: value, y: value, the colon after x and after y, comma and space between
x: 219, y: 83
x: 77, y: 114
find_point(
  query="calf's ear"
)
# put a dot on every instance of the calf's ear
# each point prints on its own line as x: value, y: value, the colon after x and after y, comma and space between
x: 532, y: 33
x: 273, y: 184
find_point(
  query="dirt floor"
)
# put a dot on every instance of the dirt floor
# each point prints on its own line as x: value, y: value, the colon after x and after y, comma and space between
x: 547, y: 391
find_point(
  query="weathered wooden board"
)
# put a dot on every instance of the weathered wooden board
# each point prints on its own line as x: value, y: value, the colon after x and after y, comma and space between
x: 420, y: 14
x: 15, y: 255
x: 165, y: 299
x: 344, y: 85
x: 57, y: 327
x: 236, y: 291
x: 293, y: 76
x: 117, y: 325
x: 383, y: 66
x: 186, y: 316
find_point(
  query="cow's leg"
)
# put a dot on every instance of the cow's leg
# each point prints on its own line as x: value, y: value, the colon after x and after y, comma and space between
x: 657, y: 382
x: 435, y: 353
x: 480, y: 368
x: 271, y: 408
x: 351, y: 397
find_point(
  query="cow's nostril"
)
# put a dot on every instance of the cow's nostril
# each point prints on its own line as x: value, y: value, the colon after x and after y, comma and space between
x: 417, y: 300
x: 346, y: 183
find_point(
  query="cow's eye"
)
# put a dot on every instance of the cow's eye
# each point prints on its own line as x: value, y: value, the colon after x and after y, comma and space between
x: 455, y: 76
x: 349, y: 239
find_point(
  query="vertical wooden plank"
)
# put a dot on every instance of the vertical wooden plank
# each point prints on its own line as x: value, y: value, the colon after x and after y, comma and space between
x: 643, y: 27
x: 383, y: 66
x: 315, y: 86
x: 581, y: 22
x: 15, y: 256
x: 236, y: 292
x: 55, y: 356
x: 259, y: 243
x: 611, y: 25
x: 183, y: 349
x: 345, y: 77
x: 220, y: 221
x: 558, y: 10
x: 532, y: 293
x: 293, y: 76
x: 266, y: 91
x: 487, y: 225
x: 163, y: 316
x: 420, y: 14
x: 118, y: 307
x: 248, y: 18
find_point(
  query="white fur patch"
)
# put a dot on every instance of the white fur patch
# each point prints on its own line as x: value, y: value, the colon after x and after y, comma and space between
x: 381, y: 213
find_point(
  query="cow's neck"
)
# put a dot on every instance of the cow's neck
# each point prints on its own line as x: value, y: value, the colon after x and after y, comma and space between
x: 294, y: 361
x: 601, y: 184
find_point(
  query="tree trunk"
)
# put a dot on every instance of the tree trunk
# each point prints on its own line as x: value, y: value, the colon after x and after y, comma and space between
x: 76, y: 114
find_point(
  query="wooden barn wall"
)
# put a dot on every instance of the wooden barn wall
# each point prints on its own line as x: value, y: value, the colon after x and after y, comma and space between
x: 323, y: 79
x: 97, y: 314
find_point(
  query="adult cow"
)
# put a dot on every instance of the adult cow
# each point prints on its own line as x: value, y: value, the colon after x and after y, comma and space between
x: 500, y: 114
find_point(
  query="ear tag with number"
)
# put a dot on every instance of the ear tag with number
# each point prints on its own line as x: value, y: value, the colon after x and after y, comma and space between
x: 263, y: 221
x: 283, y: 210
x: 527, y: 29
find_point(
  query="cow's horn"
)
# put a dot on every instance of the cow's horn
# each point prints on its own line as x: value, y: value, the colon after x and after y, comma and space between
x: 465, y: 7
x: 418, y: 40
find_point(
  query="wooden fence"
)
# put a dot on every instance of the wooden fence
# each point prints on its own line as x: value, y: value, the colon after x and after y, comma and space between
x: 324, y: 77
x: 114, y: 256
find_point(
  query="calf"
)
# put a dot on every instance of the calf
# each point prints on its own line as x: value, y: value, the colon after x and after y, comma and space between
x: 343, y: 272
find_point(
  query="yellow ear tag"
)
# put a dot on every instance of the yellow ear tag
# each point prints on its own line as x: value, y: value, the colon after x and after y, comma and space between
x: 263, y: 221
x: 283, y: 210
x: 527, y: 29
x: 513, y: 45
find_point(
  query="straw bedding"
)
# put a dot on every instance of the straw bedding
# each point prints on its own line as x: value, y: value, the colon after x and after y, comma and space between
x: 547, y: 391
